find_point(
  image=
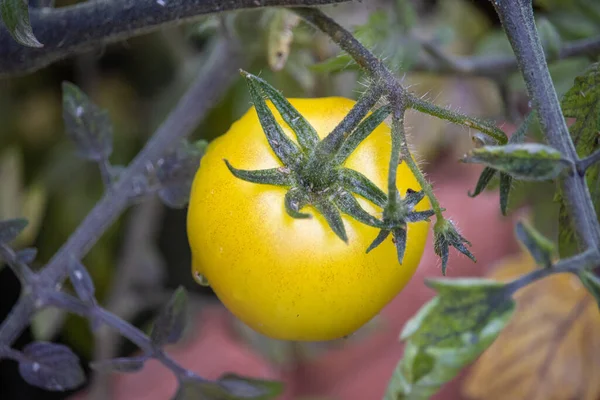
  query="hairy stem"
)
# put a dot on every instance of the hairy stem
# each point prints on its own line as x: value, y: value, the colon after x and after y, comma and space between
x: 76, y: 306
x: 398, y: 137
x: 212, y: 82
x: 363, y: 57
x: 518, y: 21
x: 67, y: 30
x: 460, y: 119
x: 334, y: 140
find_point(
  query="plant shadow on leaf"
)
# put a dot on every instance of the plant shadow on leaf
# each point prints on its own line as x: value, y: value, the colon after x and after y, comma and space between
x: 550, y: 348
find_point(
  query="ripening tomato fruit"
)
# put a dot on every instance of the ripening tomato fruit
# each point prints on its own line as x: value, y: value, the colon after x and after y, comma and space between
x: 294, y: 279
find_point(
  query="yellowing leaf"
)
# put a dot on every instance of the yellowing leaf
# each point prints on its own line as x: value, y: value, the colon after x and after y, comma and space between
x: 551, y: 348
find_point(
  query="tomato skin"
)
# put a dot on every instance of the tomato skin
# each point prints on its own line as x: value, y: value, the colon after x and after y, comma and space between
x: 294, y: 279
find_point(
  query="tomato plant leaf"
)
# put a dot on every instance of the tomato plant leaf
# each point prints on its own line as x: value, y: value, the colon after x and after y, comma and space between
x: 88, y: 126
x: 170, y: 322
x: 284, y: 148
x: 10, y: 229
x: 361, y: 132
x: 15, y: 14
x: 27, y: 256
x: 359, y: 184
x: 51, y: 366
x: 272, y: 176
x: 412, y: 198
x: 228, y: 387
x: 505, y: 186
x: 448, y: 333
x: 381, y: 236
x: 446, y: 235
x: 488, y: 173
x: 175, y: 173
x: 350, y: 206
x: 333, y: 218
x: 484, y: 179
x: 294, y: 200
x: 81, y: 281
x: 527, y: 161
x: 417, y: 216
x: 399, y: 235
x: 306, y: 134
x: 549, y: 348
x: 122, y: 365
x: 582, y: 102
x: 539, y: 247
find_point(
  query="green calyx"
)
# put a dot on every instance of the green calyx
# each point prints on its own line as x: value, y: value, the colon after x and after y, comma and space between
x: 319, y: 179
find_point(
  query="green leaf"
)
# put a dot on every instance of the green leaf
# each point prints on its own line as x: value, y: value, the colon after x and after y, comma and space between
x: 10, y: 229
x: 170, y: 322
x: 361, y: 132
x: 333, y: 217
x: 488, y: 173
x: 306, y: 134
x: 88, y: 126
x: 284, y: 148
x: 445, y: 235
x: 505, y: 186
x: 51, y: 366
x: 15, y: 14
x: 175, y: 172
x: 541, y: 249
x: 359, y: 184
x: 527, y: 161
x: 228, y: 387
x: 448, y: 333
x: 272, y: 176
x: 484, y: 179
x: 582, y: 102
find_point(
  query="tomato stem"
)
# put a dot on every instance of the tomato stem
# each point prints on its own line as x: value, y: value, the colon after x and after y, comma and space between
x: 332, y: 143
x: 400, y: 145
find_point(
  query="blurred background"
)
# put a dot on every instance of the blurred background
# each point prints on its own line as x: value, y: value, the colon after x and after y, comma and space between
x: 145, y: 255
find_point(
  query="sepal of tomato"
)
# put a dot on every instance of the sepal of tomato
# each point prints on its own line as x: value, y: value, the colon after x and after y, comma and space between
x: 264, y: 226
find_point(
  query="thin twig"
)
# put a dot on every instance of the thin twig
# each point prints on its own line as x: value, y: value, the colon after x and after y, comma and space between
x: 122, y: 300
x: 496, y: 66
x: 218, y: 75
x: 68, y: 30
x: 586, y: 260
x: 95, y: 312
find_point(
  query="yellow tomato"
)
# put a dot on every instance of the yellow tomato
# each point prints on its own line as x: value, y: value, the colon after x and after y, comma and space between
x: 294, y: 279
